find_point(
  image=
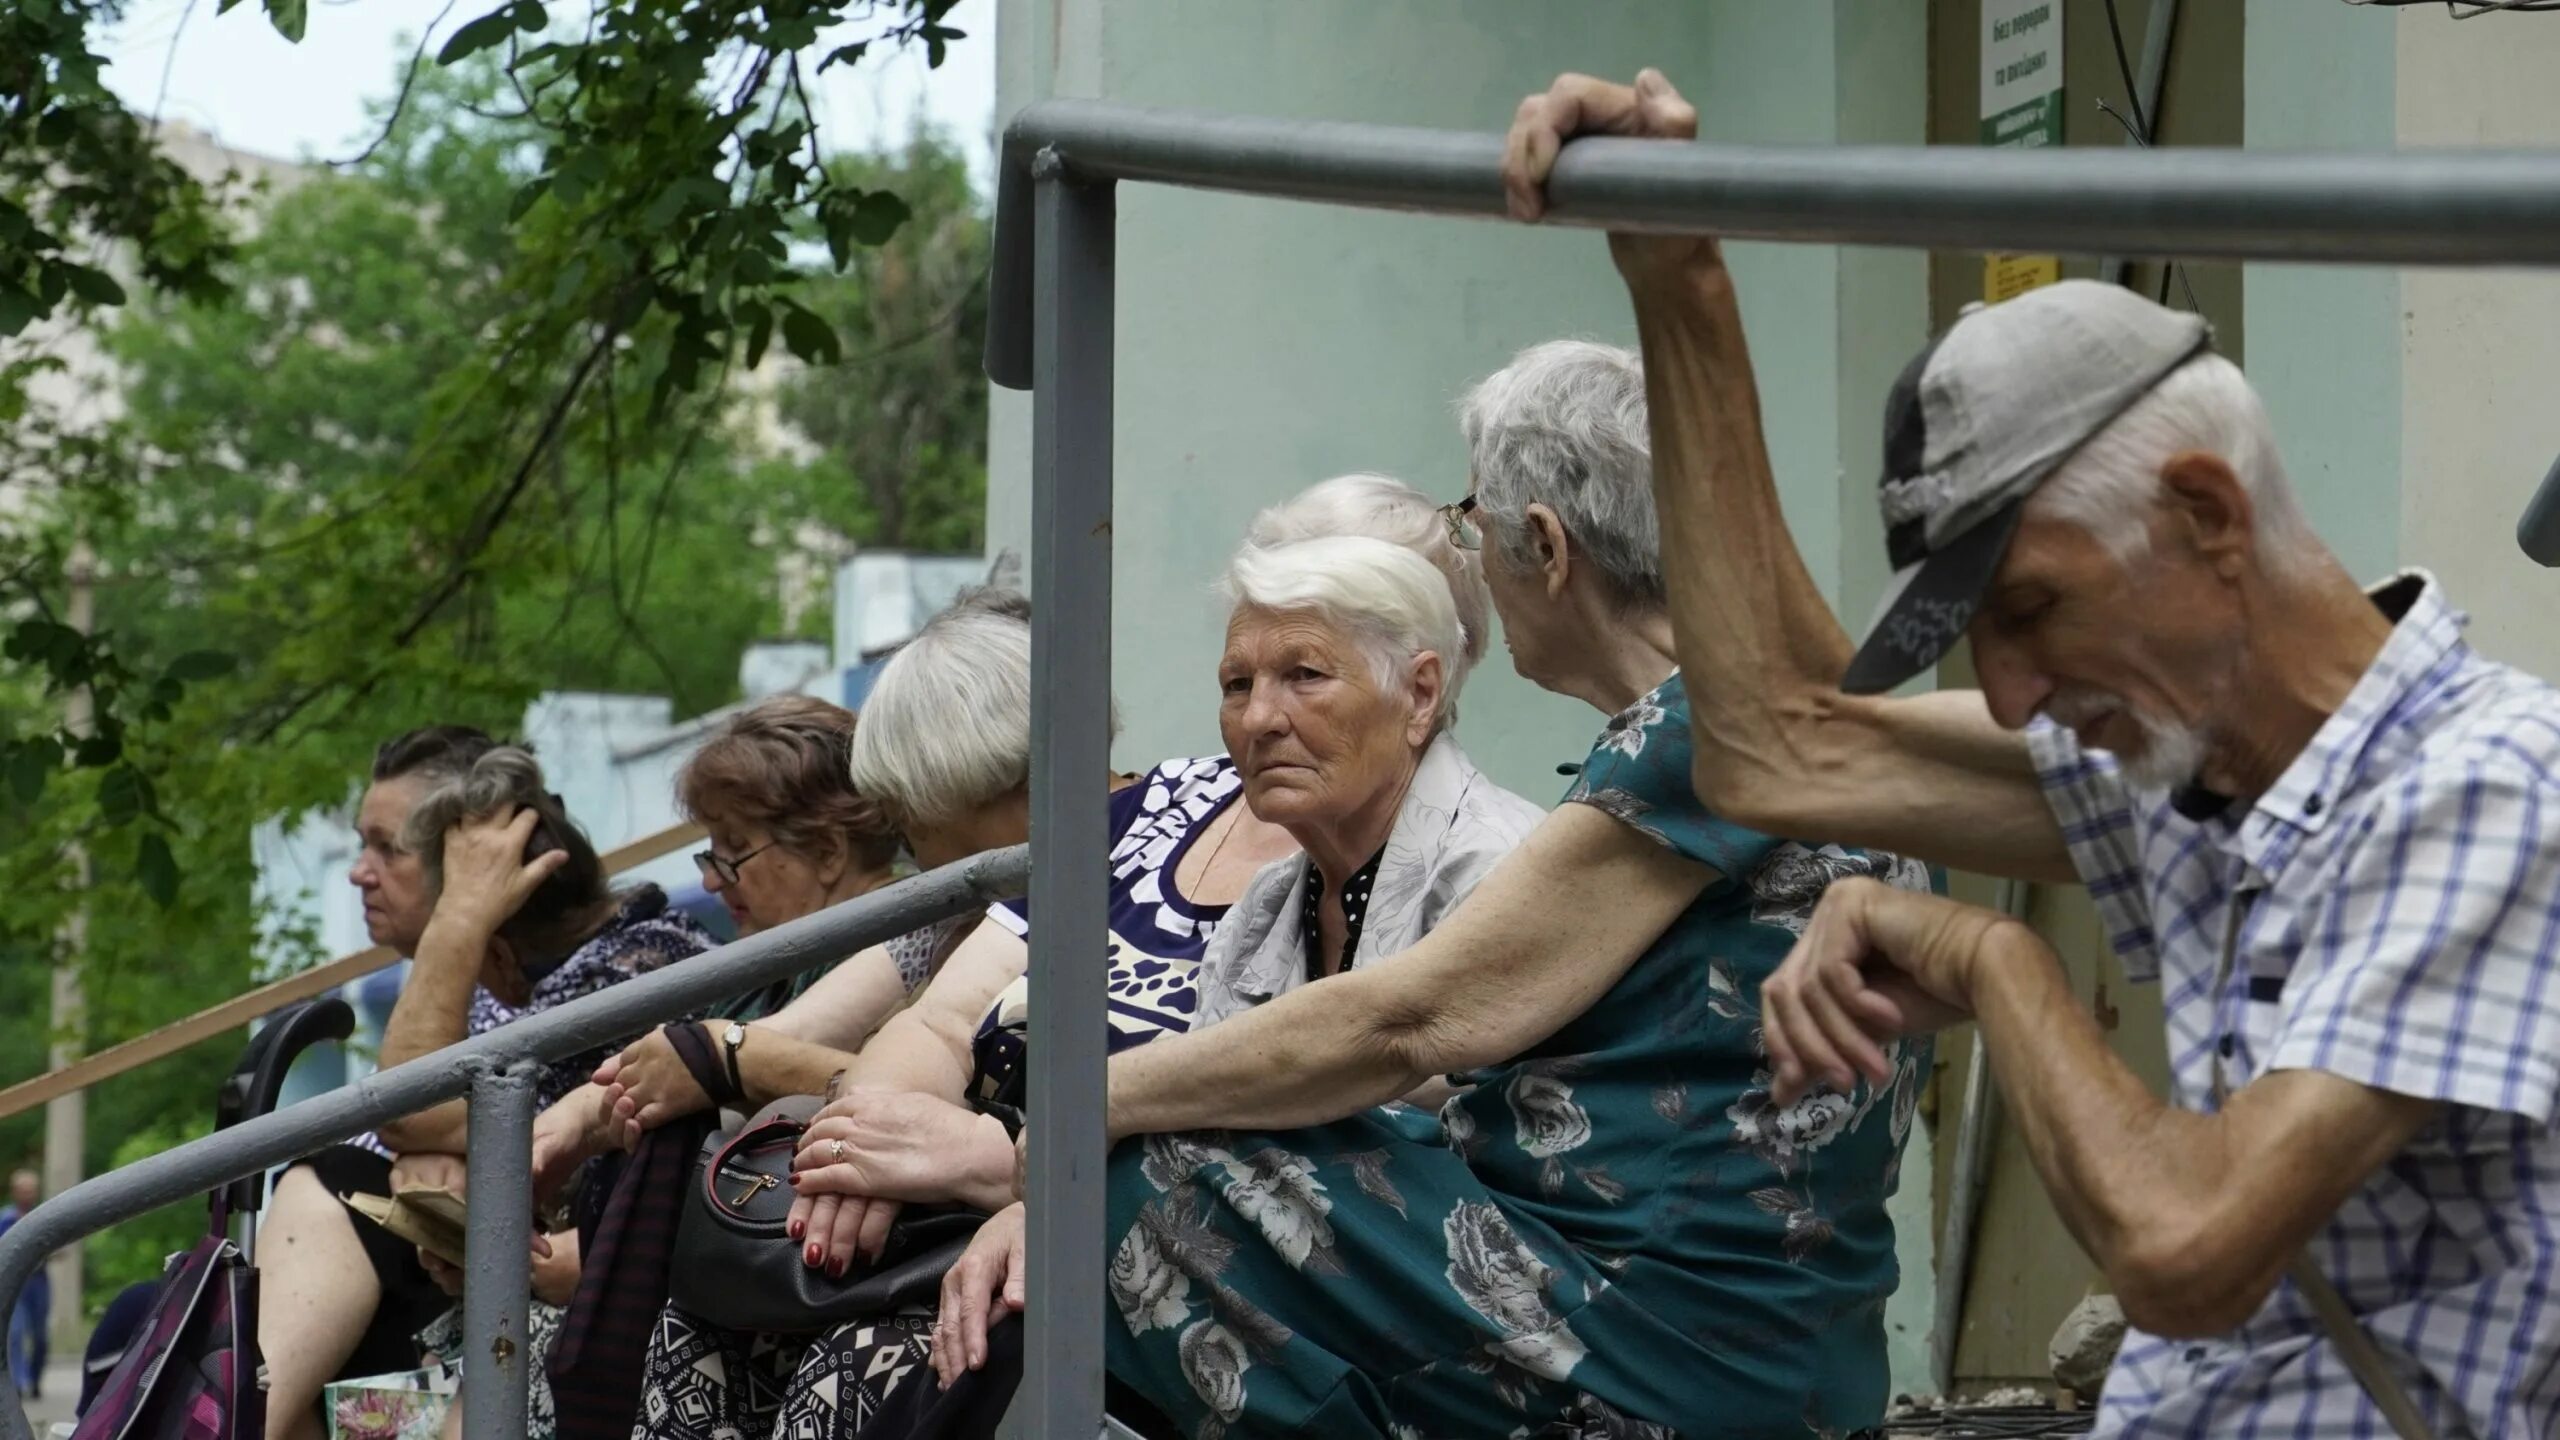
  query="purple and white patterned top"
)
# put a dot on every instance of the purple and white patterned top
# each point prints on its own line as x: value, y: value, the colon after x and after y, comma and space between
x: 2400, y: 887
x: 644, y: 934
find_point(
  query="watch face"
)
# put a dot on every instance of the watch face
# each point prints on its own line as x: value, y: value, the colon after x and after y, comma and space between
x: 736, y: 1034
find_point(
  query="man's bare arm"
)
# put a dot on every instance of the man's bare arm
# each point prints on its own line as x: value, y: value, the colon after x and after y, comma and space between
x: 1779, y: 747
x: 2193, y: 1217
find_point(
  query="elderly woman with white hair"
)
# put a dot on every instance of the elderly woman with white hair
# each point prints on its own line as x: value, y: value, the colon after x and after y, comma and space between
x: 920, y: 1109
x: 1616, y: 1231
x: 1348, y: 643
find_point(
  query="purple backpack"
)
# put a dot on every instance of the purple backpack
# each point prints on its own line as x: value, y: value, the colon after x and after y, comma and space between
x: 191, y: 1372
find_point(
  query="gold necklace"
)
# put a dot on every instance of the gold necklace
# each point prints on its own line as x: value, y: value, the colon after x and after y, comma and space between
x: 1234, y: 822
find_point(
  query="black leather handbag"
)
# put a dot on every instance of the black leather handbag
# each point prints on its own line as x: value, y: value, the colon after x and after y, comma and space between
x: 736, y: 1265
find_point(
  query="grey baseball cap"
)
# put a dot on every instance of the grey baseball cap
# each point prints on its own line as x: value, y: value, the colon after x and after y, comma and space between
x: 1977, y: 420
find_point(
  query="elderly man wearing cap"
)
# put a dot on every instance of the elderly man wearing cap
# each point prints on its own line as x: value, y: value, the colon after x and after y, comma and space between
x: 2325, y: 824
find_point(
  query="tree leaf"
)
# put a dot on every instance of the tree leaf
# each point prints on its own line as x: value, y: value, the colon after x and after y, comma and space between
x: 102, y: 749
x: 844, y: 55
x: 289, y: 17
x: 124, y: 795
x: 197, y: 666
x: 526, y: 195
x: 95, y: 286
x: 490, y: 29
x: 157, y: 869
x: 31, y: 764
x: 49, y: 643
x: 16, y: 308
x: 809, y: 337
x: 877, y: 216
x: 759, y: 318
x: 530, y: 16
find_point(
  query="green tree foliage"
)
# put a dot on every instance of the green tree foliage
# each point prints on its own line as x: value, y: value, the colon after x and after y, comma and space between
x: 905, y: 415
x: 662, y: 159
x: 467, y: 421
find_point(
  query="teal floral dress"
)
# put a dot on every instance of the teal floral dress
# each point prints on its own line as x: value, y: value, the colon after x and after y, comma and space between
x: 1615, y: 1234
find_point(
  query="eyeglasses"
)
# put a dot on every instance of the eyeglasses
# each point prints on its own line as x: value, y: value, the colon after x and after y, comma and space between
x: 1458, y: 516
x: 712, y: 862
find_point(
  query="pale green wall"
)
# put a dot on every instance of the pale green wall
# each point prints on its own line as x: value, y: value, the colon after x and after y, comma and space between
x: 1264, y: 346
x: 2324, y: 341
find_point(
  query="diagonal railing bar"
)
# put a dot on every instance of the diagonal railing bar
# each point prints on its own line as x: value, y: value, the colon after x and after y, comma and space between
x: 691, y: 987
x: 2417, y: 207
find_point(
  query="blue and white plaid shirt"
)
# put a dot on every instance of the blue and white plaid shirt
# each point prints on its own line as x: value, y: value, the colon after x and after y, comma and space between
x: 2405, y: 934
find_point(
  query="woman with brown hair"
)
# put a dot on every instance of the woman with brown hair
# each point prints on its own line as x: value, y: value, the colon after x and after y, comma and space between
x: 789, y: 836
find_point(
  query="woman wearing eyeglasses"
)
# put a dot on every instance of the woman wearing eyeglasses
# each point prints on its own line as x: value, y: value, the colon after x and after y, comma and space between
x: 788, y: 835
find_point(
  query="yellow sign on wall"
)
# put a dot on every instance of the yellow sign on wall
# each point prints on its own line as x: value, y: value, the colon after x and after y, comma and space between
x: 2021, y: 107
x: 2005, y: 277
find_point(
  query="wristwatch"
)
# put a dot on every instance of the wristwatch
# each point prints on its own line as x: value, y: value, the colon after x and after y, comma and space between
x: 730, y: 1040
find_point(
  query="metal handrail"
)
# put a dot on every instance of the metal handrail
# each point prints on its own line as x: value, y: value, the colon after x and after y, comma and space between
x: 2418, y: 207
x: 491, y: 1064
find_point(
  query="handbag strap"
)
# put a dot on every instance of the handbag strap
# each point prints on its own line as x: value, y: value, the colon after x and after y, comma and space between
x: 2346, y: 1334
x: 694, y: 1048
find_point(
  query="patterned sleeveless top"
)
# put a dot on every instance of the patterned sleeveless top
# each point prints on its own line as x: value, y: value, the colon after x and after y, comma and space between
x: 1157, y: 936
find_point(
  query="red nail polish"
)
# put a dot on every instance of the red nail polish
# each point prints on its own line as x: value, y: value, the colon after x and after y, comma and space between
x: 813, y: 1255
x: 795, y: 1229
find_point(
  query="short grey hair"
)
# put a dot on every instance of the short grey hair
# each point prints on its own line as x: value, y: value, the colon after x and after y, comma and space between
x: 947, y: 726
x: 2109, y: 484
x: 1382, y: 507
x: 1563, y: 425
x: 561, y: 912
x: 1391, y: 602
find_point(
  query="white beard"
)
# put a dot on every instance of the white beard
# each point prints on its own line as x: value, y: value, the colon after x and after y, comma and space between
x: 2171, y: 753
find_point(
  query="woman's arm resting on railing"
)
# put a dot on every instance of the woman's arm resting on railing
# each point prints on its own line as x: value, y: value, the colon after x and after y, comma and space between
x: 845, y: 1005
x: 1546, y: 935
x: 649, y: 1084
x: 929, y: 1046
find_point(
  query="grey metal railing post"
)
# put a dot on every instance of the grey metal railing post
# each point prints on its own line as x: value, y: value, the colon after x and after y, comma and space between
x: 497, y: 1254
x: 1061, y: 1393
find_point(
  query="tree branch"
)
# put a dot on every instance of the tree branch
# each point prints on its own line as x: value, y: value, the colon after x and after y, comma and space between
x: 400, y: 102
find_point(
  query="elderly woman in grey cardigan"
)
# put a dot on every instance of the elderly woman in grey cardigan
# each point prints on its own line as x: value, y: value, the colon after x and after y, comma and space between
x: 1338, y: 686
